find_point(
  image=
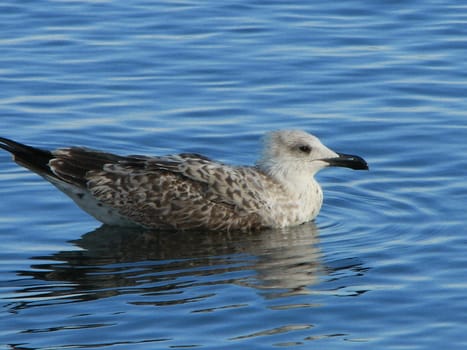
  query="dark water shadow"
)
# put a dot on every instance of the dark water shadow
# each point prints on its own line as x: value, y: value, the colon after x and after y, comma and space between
x: 113, y: 261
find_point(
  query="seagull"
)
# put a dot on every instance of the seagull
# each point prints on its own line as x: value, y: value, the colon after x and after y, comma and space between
x: 190, y: 191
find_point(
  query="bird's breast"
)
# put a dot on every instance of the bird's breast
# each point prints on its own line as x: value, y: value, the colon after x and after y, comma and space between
x: 293, y: 207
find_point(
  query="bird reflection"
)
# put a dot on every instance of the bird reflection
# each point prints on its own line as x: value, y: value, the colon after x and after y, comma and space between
x: 113, y: 261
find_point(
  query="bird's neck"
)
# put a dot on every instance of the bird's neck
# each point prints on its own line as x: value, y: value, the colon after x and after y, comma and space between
x: 295, y: 181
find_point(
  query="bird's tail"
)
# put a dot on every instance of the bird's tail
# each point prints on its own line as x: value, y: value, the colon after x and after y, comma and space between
x: 34, y: 159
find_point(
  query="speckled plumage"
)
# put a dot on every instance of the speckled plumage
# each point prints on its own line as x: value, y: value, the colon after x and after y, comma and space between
x: 190, y: 191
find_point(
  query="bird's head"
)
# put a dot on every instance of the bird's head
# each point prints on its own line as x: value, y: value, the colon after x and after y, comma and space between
x: 297, y: 153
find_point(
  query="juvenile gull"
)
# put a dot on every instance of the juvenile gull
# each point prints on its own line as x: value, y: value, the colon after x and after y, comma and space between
x: 188, y: 190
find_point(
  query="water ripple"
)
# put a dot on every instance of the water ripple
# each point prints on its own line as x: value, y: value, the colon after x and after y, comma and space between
x: 385, y: 81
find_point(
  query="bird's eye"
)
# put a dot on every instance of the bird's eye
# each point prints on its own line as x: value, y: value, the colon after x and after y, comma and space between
x: 305, y: 149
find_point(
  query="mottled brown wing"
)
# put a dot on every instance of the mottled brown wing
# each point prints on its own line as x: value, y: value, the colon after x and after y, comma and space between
x: 182, y: 191
x: 73, y: 164
x: 241, y: 187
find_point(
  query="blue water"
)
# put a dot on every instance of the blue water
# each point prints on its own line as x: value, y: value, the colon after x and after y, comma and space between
x: 383, y: 266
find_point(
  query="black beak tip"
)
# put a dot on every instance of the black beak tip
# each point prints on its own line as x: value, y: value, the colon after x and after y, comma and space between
x: 364, y: 166
x: 349, y: 161
x: 358, y: 163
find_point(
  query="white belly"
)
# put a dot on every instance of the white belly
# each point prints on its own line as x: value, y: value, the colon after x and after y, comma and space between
x: 90, y: 205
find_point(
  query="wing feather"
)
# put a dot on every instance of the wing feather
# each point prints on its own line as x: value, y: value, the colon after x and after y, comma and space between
x: 241, y: 187
x: 182, y: 191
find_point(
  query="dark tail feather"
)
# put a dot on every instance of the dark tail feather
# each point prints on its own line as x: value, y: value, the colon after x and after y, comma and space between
x: 32, y: 158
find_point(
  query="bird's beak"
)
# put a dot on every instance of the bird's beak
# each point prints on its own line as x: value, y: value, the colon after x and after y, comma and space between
x: 347, y: 161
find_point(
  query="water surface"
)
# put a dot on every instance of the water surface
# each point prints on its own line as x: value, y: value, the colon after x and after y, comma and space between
x: 383, y: 266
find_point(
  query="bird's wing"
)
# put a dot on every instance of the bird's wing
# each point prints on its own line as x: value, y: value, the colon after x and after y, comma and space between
x: 73, y: 164
x: 180, y: 190
x: 183, y: 191
x: 241, y: 187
